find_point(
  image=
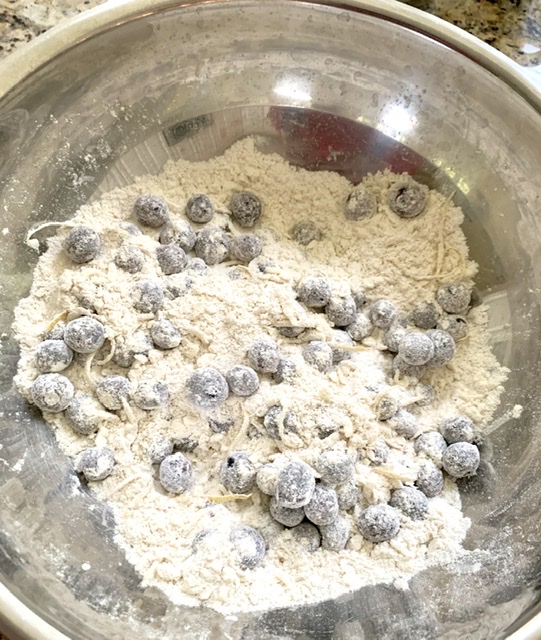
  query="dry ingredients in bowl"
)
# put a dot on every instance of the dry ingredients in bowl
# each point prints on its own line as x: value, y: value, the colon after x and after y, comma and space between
x: 273, y: 377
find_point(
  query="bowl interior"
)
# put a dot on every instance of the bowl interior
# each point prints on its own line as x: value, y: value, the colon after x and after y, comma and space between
x: 327, y: 87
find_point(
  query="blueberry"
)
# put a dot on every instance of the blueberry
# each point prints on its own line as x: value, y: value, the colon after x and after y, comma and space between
x: 305, y: 232
x: 394, y: 336
x: 340, y: 337
x: 176, y: 473
x: 150, y: 394
x: 112, y: 390
x: 432, y: 444
x: 429, y: 480
x: 425, y: 315
x: 213, y: 246
x: 461, y: 459
x: 160, y: 448
x: 307, y: 536
x: 405, y: 424
x: 454, y: 297
x: 323, y: 506
x: 328, y: 422
x: 379, y: 523
x: 378, y: 453
x: 319, y: 355
x: 84, y: 335
x: 207, y: 539
x: 147, y: 296
x: 335, y: 466
x: 242, y: 381
x: 295, y: 485
x: 151, y: 210
x: 186, y: 445
x: 341, y: 311
x: 249, y: 546
x: 174, y: 291
x: 291, y: 332
x: 386, y: 407
x: 171, y: 258
x: 53, y: 356
x: 82, y: 244
x: 130, y: 259
x: 416, y: 348
x: 360, y: 328
x: 425, y: 394
x: 220, y: 425
x: 285, y: 372
x: 347, y: 494
x: 444, y: 347
x: 246, y: 247
x: 85, y: 301
x: 267, y: 477
x: 131, y: 228
x: 407, y: 199
x: 272, y: 418
x: 382, y: 313
x: 455, y: 326
x: 237, y: 473
x: 83, y: 414
x: 127, y: 348
x: 411, y: 502
x: 95, y: 463
x: 56, y: 332
x: 206, y: 388
x: 52, y: 392
x: 403, y: 369
x: 335, y: 536
x: 284, y: 515
x: 314, y: 292
x: 359, y: 295
x: 199, y: 208
x: 245, y: 208
x: 360, y: 204
x: 263, y: 355
x: 179, y: 232
x: 197, y: 266
x: 458, y: 429
x: 164, y: 334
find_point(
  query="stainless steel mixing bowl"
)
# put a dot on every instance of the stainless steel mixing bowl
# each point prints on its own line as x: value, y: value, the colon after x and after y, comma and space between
x: 347, y: 85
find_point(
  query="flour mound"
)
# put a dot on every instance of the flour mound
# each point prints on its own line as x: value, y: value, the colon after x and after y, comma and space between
x: 220, y: 312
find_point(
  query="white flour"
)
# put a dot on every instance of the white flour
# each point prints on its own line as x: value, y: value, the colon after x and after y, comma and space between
x: 219, y: 315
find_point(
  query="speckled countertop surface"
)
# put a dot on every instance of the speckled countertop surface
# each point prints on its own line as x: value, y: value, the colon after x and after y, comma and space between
x: 512, y: 26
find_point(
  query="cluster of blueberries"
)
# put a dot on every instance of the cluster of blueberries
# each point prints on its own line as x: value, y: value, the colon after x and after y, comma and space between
x: 177, y: 237
x: 53, y: 392
x: 85, y: 335
x: 312, y: 509
x: 312, y: 502
x: 407, y: 199
x: 428, y: 345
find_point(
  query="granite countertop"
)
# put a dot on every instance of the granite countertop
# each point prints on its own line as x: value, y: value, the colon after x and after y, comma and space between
x: 512, y: 26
